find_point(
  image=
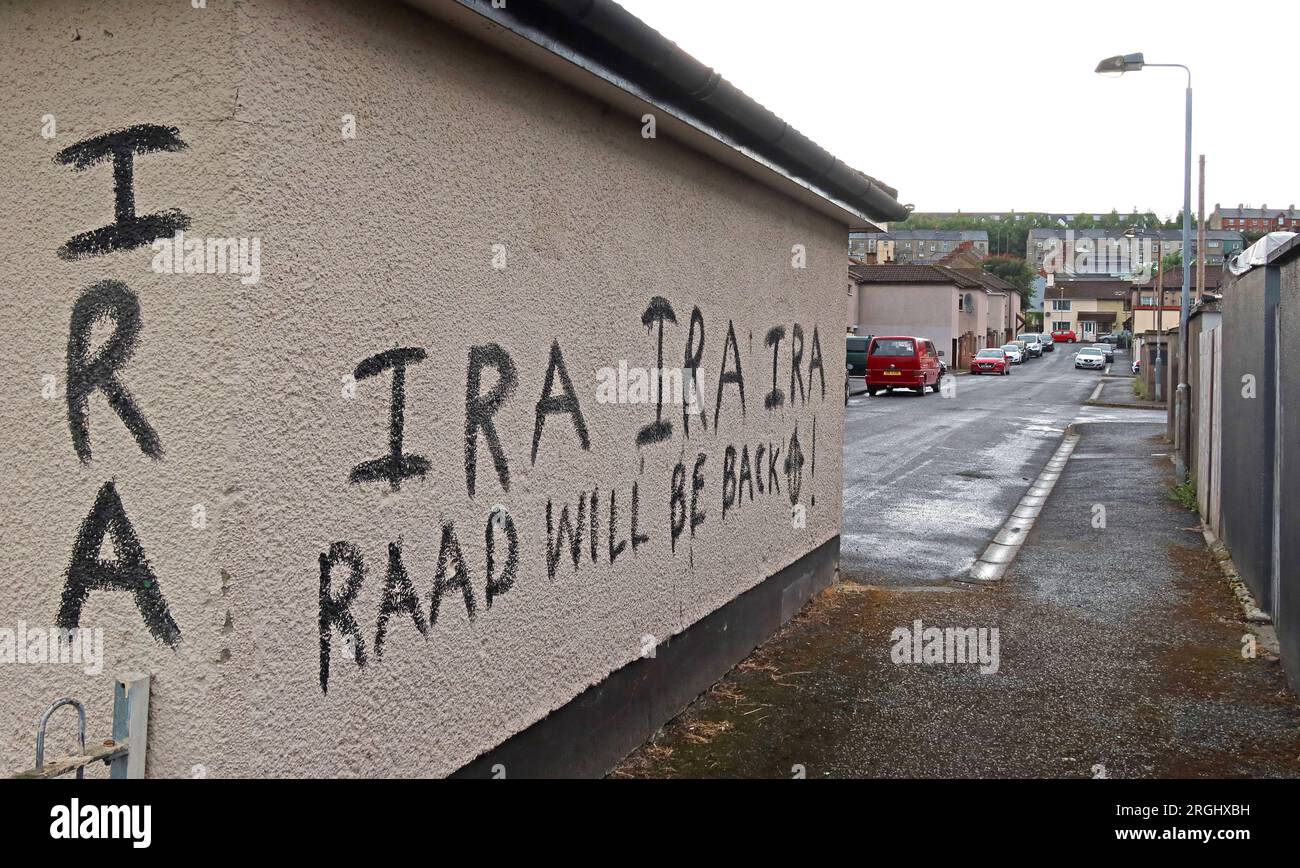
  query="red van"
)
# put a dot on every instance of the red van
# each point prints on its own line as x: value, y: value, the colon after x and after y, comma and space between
x: 902, y: 363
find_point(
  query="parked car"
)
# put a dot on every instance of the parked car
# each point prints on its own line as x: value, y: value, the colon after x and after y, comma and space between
x: 1033, y: 343
x: 1108, y: 339
x: 990, y: 361
x: 902, y: 362
x: 1090, y: 358
x: 1049, y: 345
x: 1014, y: 353
x: 1107, y: 350
x: 1063, y: 336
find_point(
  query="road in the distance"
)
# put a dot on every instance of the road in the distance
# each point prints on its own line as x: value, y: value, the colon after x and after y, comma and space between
x: 929, y: 480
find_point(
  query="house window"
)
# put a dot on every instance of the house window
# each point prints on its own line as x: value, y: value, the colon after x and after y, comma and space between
x: 1060, y: 325
x: 1061, y: 304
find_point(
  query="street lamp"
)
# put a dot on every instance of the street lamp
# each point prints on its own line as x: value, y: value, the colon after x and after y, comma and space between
x: 1114, y: 67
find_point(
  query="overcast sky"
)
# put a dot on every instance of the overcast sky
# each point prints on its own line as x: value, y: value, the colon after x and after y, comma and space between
x: 994, y: 105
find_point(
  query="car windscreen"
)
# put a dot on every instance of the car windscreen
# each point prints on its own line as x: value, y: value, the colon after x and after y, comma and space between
x: 856, y: 345
x: 1027, y: 338
x: 989, y: 354
x: 893, y: 347
x: 1011, y: 348
x: 1091, y: 351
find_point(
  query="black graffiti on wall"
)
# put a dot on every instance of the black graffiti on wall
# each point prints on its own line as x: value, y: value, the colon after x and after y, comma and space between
x: 399, y: 595
x: 657, y: 431
x: 565, y: 529
x: 480, y: 410
x: 128, y: 230
x: 111, y: 301
x: 586, y: 527
x: 129, y: 571
x: 396, y: 465
x: 551, y: 404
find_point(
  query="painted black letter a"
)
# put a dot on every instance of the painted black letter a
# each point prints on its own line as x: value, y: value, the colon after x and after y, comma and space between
x: 129, y: 571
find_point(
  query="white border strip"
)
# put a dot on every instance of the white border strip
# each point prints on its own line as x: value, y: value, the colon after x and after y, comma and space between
x: 1006, y: 545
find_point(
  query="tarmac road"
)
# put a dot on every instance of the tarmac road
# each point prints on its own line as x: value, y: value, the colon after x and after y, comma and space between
x: 929, y: 480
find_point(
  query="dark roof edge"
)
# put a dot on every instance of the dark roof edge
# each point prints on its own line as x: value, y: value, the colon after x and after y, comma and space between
x: 611, y: 43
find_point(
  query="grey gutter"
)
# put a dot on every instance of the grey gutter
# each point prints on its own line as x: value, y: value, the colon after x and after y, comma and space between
x: 607, y: 40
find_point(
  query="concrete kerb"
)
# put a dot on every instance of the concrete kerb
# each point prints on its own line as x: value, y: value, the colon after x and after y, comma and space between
x: 1118, y: 405
x: 1000, y: 553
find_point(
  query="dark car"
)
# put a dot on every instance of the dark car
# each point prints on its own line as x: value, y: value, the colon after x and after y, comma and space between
x: 1107, y: 349
x: 855, y: 347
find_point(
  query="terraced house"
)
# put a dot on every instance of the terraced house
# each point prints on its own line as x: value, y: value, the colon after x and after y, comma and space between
x: 1086, y: 307
x: 960, y: 310
x: 916, y: 246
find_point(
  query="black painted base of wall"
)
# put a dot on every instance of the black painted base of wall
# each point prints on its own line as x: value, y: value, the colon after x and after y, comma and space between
x: 588, y: 736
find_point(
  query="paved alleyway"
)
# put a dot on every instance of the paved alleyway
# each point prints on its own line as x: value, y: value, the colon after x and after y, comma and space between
x: 1120, y: 654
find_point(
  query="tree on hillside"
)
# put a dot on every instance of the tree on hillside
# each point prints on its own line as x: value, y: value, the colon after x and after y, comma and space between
x: 1008, y: 236
x: 1014, y: 271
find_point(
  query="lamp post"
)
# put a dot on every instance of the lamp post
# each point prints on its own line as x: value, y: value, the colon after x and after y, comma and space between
x: 1160, y: 326
x: 1116, y: 66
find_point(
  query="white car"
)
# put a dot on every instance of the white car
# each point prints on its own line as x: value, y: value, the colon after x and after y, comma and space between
x: 1090, y: 357
x: 1034, y: 343
x: 1013, y: 353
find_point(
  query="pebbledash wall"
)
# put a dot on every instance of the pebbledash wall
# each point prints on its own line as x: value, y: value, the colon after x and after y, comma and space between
x: 390, y: 448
